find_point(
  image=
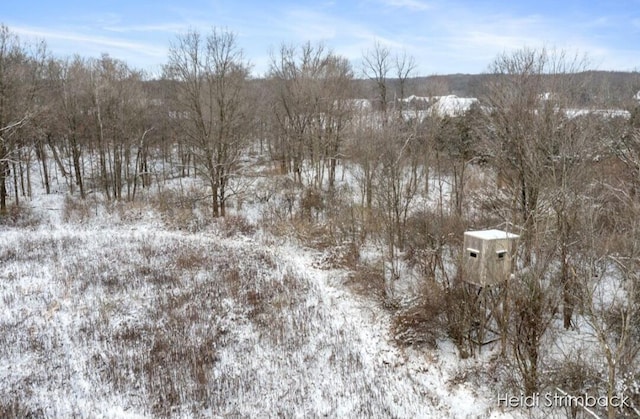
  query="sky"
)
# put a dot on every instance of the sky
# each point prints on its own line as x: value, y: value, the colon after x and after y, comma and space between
x: 443, y: 36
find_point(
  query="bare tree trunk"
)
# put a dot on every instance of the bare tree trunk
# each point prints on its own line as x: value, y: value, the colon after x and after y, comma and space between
x: 4, y: 172
x: 117, y: 172
x: 15, y: 184
x: 138, y: 169
x: 102, y: 147
x: 214, y: 204
x: 144, y: 168
x: 21, y: 169
x: 567, y: 288
x: 28, y: 175
x: 41, y: 154
x: 127, y: 168
x: 77, y: 165
x: 56, y: 156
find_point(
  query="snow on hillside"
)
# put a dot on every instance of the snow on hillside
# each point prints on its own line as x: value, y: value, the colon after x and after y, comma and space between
x: 128, y: 319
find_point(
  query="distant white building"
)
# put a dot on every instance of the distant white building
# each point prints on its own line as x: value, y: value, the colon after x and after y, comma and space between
x: 606, y: 113
x: 420, y: 107
x: 416, y: 99
x: 452, y: 105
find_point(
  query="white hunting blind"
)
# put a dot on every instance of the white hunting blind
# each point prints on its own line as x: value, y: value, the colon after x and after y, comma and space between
x: 487, y: 256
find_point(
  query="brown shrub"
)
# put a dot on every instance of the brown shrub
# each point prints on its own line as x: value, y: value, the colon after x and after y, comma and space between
x: 181, y: 211
x: 76, y: 210
x: 421, y: 324
x: 15, y: 407
x: 190, y: 259
x: 233, y: 225
x: 21, y: 217
x: 459, y: 314
x: 346, y: 256
x: 367, y: 281
x: 311, y: 203
x: 315, y: 235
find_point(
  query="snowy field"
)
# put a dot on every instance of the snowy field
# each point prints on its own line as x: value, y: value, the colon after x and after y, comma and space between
x: 118, y: 316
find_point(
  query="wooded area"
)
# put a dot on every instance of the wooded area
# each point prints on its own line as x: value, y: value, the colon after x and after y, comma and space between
x: 550, y: 150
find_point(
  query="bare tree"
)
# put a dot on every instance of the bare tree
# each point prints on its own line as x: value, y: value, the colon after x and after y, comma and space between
x: 69, y: 131
x: 625, y: 145
x: 118, y: 108
x: 607, y: 274
x: 19, y: 82
x: 456, y: 140
x: 211, y: 77
x: 526, y: 104
x: 394, y: 166
x: 338, y: 111
x: 533, y: 138
x: 405, y: 66
x: 534, y: 299
x: 397, y: 183
x: 376, y: 67
x: 378, y: 64
x: 311, y: 86
x: 365, y: 153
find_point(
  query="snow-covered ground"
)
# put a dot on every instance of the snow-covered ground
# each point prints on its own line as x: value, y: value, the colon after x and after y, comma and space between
x: 121, y: 317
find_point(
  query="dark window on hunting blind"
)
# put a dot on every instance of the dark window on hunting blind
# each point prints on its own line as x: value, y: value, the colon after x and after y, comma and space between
x: 473, y: 254
x: 501, y: 254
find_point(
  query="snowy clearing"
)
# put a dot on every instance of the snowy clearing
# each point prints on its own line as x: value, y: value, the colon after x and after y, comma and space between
x: 109, y: 319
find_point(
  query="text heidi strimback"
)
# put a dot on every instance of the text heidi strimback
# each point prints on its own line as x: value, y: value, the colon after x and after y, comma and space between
x: 561, y: 400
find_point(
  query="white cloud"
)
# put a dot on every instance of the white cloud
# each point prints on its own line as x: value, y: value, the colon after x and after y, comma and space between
x: 146, y: 56
x: 162, y: 27
x: 415, y: 5
x: 311, y: 26
x: 86, y: 40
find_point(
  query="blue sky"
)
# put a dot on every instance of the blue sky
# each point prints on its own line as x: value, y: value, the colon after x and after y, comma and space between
x: 444, y: 36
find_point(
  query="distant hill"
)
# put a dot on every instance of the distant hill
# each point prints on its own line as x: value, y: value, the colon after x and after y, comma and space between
x: 603, y: 87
